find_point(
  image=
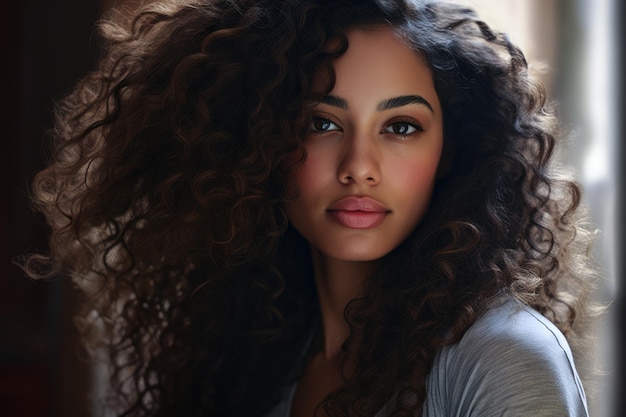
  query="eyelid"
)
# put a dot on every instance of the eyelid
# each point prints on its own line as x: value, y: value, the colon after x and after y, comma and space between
x: 406, y: 119
x: 318, y: 114
x: 419, y: 128
x: 325, y: 116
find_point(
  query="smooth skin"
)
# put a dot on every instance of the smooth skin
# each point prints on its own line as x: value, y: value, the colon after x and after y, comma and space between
x: 372, y: 158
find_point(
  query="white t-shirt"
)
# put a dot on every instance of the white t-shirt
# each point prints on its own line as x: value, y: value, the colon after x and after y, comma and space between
x: 511, y: 362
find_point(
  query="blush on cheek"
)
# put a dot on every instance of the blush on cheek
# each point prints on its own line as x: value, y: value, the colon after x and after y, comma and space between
x: 303, y: 176
x: 312, y: 172
x: 416, y: 176
x: 416, y: 183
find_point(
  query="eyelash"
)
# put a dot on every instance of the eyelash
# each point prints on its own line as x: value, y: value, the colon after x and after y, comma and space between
x: 412, y: 123
x: 323, y: 119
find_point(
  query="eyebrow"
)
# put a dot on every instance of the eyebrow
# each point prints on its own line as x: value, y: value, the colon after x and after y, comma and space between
x: 336, y: 102
x: 386, y: 104
x: 400, y: 101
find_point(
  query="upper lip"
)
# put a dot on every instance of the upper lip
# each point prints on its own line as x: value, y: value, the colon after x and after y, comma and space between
x: 355, y: 203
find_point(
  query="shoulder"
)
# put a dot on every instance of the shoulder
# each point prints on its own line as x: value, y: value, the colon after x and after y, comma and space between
x: 512, y: 361
x: 512, y: 326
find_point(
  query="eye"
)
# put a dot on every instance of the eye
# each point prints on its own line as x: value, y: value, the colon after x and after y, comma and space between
x: 322, y: 124
x: 403, y: 128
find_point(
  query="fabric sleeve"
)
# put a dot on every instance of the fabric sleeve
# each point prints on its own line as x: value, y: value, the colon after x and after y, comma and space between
x: 512, y: 362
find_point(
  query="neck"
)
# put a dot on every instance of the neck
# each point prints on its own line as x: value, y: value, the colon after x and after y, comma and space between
x: 338, y: 282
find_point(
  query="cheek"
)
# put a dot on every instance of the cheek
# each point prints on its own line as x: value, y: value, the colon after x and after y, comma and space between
x: 302, y: 174
x: 415, y: 180
x: 416, y: 173
x: 313, y: 173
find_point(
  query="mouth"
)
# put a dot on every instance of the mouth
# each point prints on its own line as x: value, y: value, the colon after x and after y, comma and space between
x: 358, y: 212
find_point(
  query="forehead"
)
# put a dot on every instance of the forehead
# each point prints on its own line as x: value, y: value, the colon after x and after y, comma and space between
x: 378, y: 62
x: 381, y: 47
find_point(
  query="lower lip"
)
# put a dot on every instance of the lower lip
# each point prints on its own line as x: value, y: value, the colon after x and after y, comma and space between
x: 358, y: 219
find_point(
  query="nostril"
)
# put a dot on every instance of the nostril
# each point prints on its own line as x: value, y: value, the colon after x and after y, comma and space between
x: 349, y: 179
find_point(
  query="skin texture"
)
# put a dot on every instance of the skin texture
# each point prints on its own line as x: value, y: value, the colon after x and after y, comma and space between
x: 357, y: 152
x: 366, y: 183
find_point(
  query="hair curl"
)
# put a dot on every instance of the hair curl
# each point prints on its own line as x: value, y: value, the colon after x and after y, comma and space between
x: 165, y: 194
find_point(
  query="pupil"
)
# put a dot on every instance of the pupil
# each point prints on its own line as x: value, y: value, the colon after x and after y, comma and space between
x: 321, y: 124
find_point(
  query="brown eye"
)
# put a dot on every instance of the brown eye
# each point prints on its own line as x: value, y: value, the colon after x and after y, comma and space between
x: 320, y: 124
x: 403, y: 128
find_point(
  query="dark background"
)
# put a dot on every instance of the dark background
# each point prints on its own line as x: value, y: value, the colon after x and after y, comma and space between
x: 46, y: 46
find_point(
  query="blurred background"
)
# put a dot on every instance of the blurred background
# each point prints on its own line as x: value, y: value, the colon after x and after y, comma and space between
x: 574, y: 46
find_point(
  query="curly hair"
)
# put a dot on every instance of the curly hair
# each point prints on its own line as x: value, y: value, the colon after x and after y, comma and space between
x: 173, y: 159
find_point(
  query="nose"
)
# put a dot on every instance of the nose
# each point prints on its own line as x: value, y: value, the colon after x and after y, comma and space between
x: 360, y: 162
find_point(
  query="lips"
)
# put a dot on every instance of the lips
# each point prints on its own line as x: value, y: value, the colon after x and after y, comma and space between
x: 358, y: 212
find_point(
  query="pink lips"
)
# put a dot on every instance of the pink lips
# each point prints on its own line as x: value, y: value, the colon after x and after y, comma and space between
x: 358, y: 212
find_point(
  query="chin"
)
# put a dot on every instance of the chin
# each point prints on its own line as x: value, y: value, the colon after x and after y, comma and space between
x: 355, y: 255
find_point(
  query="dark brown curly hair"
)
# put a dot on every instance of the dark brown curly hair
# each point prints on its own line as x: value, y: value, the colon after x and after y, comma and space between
x: 171, y: 164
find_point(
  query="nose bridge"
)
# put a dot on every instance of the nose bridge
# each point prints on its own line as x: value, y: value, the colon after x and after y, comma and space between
x: 360, y: 160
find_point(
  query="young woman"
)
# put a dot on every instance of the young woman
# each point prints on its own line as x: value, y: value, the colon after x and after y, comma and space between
x: 300, y: 207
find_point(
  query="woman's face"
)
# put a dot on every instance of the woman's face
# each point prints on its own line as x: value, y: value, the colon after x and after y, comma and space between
x: 373, y: 151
